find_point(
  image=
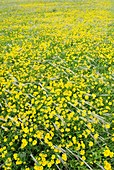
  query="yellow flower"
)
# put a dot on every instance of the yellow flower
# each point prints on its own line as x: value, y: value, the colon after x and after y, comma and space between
x: 86, y: 97
x: 15, y: 155
x: 74, y: 139
x: 30, y: 139
x: 82, y: 163
x: 53, y: 157
x: 5, y: 140
x: 83, y: 145
x: 106, y: 152
x: 62, y: 130
x: 58, y: 161
x: 89, y: 125
x: 111, y: 154
x: 40, y: 134
x: 49, y: 164
x: 31, y: 129
x: 44, y: 163
x: 83, y: 158
x: 82, y: 152
x: 107, y: 165
x: 94, y: 96
x: 64, y: 156
x: 90, y: 143
x: 110, y: 103
x: 16, y: 137
x: 4, y: 153
x: 38, y: 167
x: 34, y: 142
x: 75, y: 127
x: 18, y: 162
x: 107, y: 126
x: 24, y: 143
x: 83, y: 114
x: 96, y: 136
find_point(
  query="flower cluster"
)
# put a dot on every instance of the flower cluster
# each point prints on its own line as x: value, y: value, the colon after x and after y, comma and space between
x: 56, y: 85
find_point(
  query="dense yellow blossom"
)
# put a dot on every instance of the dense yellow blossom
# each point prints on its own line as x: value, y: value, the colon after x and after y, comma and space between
x: 56, y: 84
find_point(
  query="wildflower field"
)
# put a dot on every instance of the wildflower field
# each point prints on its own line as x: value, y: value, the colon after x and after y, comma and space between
x: 57, y: 85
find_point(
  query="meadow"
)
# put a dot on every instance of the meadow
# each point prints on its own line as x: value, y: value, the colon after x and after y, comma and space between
x: 57, y: 85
